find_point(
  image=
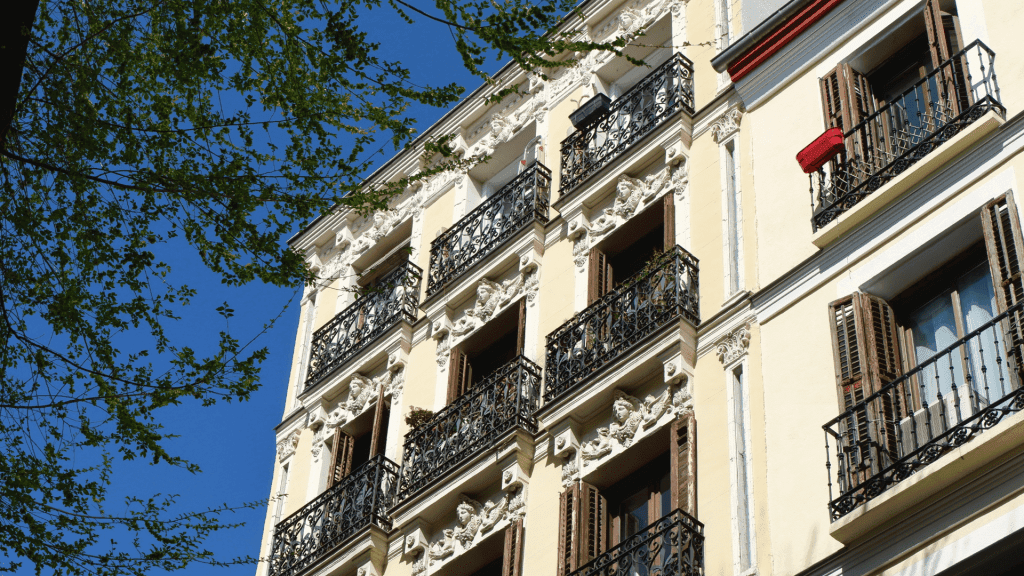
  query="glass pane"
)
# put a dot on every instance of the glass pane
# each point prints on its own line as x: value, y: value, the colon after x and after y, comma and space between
x: 665, y: 497
x: 978, y: 301
x: 634, y: 517
x: 934, y: 328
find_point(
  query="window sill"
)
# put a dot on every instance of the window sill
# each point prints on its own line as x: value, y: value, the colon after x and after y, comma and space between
x: 951, y: 469
x: 892, y: 190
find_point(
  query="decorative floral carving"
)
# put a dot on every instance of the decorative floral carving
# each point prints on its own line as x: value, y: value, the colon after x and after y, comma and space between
x: 493, y: 512
x: 443, y: 347
x: 472, y: 521
x: 628, y: 415
x: 395, y: 385
x: 492, y: 297
x: 570, y: 469
x: 726, y: 125
x: 581, y: 250
x: 630, y: 194
x: 286, y: 447
x: 444, y: 547
x: 734, y: 345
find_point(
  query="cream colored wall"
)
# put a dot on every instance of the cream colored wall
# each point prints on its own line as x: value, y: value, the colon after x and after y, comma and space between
x: 714, y: 501
x: 559, y: 127
x: 1002, y: 21
x: 541, y: 524
x: 705, y: 200
x: 700, y: 33
x: 555, y: 302
x: 435, y: 216
x: 326, y: 302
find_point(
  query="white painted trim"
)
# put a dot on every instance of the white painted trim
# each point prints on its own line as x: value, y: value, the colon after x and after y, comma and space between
x: 740, y: 424
x: 732, y: 277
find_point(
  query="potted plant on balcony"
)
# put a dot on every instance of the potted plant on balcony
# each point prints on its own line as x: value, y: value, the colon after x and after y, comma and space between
x: 418, y: 417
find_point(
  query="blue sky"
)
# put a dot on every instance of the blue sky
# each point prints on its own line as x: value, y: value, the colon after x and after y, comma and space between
x: 233, y: 443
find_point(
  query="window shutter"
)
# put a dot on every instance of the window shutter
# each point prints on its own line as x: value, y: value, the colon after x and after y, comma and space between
x: 944, y: 40
x: 512, y: 560
x: 1005, y: 250
x: 866, y: 352
x: 568, y: 539
x: 593, y: 523
x: 601, y: 278
x: 342, y: 453
x: 847, y: 100
x: 460, y: 374
x: 683, y: 463
x: 380, y: 425
x: 521, y: 329
x: 833, y: 99
x: 670, y: 222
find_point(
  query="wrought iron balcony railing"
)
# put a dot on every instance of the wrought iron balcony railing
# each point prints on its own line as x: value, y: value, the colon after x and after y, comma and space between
x: 662, y: 93
x: 360, y: 500
x: 503, y: 401
x: 663, y: 291
x: 945, y: 401
x: 672, y: 545
x: 393, y: 298
x: 489, y: 225
x: 950, y: 98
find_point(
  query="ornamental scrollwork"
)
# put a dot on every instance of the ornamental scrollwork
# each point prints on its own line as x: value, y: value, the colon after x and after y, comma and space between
x: 734, y: 345
x: 726, y: 125
x: 286, y: 447
x: 631, y: 416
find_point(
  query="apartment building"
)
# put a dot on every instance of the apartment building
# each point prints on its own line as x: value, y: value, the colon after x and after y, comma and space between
x: 754, y: 308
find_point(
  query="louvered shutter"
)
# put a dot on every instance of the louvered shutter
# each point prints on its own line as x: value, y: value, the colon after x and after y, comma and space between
x: 866, y: 352
x: 683, y: 463
x: 1005, y: 250
x: 460, y: 374
x: 833, y: 99
x: 521, y: 328
x: 601, y: 277
x: 380, y: 425
x: 568, y: 539
x: 944, y: 41
x: 593, y: 523
x: 341, y: 466
x: 670, y: 222
x: 512, y: 559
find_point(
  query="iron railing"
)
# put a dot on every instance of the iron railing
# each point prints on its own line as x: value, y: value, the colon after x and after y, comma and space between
x: 663, y: 291
x: 672, y: 545
x: 895, y: 137
x: 662, y: 93
x: 963, y: 390
x: 360, y: 500
x: 476, y: 421
x: 489, y: 225
x: 393, y: 298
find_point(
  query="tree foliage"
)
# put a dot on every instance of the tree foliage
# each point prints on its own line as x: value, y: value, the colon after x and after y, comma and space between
x: 127, y: 126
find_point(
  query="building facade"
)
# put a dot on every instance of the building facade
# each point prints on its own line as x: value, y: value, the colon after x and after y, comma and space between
x: 752, y: 309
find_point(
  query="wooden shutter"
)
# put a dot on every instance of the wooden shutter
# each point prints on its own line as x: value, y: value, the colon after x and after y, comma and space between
x: 521, y: 329
x: 381, y: 415
x: 512, y: 559
x: 593, y: 523
x: 601, y: 278
x: 344, y: 445
x: 944, y: 40
x: 865, y: 347
x: 568, y: 539
x: 847, y: 100
x: 683, y: 463
x: 670, y: 222
x: 833, y: 97
x: 1005, y: 250
x: 460, y: 374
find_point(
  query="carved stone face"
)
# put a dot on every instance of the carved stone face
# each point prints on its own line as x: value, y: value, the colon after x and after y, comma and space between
x: 464, y: 514
x: 621, y: 411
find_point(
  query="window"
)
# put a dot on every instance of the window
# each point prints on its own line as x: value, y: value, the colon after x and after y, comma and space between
x: 625, y: 252
x: 592, y: 520
x: 739, y: 445
x: 732, y: 218
x: 939, y: 333
x: 494, y: 345
x: 282, y: 493
x: 910, y: 109
x: 365, y: 438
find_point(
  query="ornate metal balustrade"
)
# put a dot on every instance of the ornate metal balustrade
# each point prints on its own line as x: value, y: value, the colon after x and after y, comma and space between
x: 960, y: 392
x: 662, y: 93
x: 663, y: 291
x: 672, y: 545
x: 503, y: 401
x: 393, y: 298
x: 911, y: 126
x: 360, y: 500
x: 489, y: 225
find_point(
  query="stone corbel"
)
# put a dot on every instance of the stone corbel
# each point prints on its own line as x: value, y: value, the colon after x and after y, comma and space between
x: 734, y: 345
x: 343, y: 239
x: 397, y: 360
x: 675, y: 153
x: 726, y: 125
x: 673, y: 369
x: 529, y: 262
x: 287, y: 445
x: 416, y: 539
x: 513, y: 477
x: 367, y: 569
x: 441, y: 328
x: 578, y: 226
x: 566, y: 439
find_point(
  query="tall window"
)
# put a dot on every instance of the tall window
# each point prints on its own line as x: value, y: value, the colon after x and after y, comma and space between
x: 740, y: 464
x: 732, y: 219
x: 282, y: 493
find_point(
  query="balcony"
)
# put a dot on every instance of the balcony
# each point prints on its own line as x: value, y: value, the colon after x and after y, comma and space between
x: 489, y: 225
x: 394, y: 298
x: 943, y: 403
x: 359, y: 501
x: 672, y: 545
x: 665, y: 290
x: 906, y: 130
x: 474, y: 422
x: 655, y: 99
